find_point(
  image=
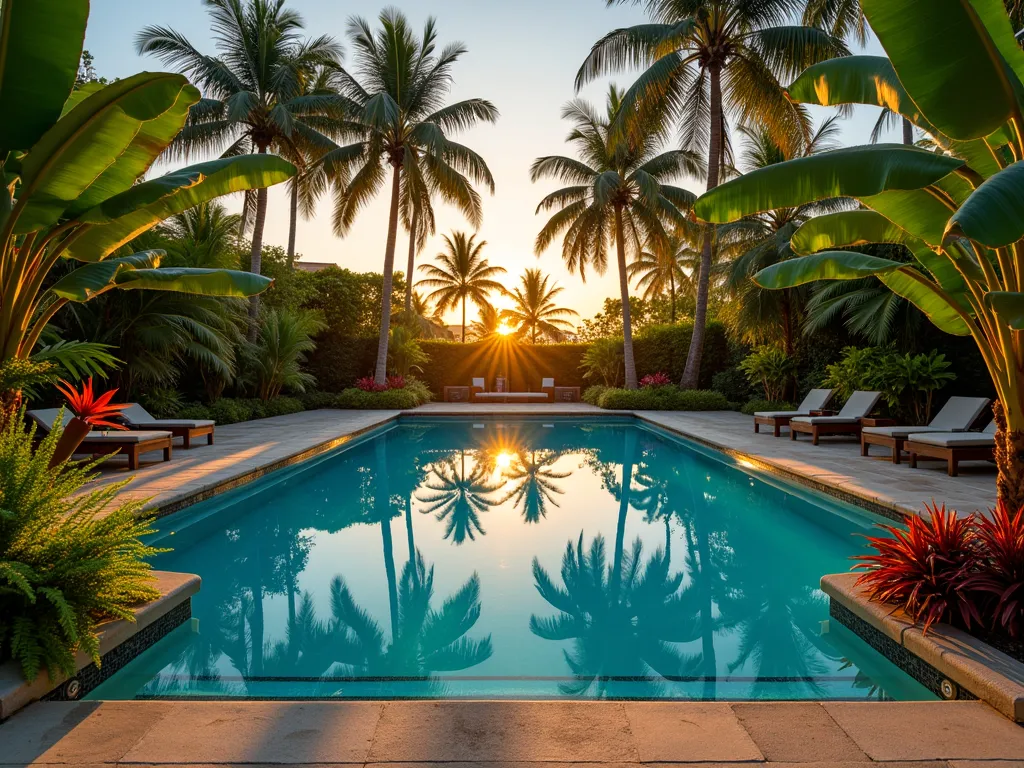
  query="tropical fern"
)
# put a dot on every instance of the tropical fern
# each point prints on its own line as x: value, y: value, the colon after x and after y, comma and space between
x: 68, y: 560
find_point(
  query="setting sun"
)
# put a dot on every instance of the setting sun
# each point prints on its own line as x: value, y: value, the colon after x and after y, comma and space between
x: 505, y: 329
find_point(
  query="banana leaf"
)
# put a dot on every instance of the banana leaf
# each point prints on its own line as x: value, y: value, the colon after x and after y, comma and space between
x: 948, y: 62
x: 206, y: 282
x: 859, y: 172
x: 1008, y: 306
x: 827, y: 265
x: 144, y: 206
x: 994, y: 213
x: 91, y: 280
x: 914, y: 287
x: 40, y: 47
x: 83, y: 144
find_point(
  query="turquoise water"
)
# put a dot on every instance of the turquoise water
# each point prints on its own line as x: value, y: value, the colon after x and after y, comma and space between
x: 520, y: 559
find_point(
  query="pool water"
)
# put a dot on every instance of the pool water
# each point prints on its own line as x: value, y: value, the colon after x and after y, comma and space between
x: 515, y: 559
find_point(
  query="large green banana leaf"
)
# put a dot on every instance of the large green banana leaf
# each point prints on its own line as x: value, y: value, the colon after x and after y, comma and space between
x: 852, y: 172
x: 948, y: 63
x: 144, y: 206
x: 207, y: 282
x: 151, y: 140
x: 915, y: 288
x: 994, y: 213
x: 827, y: 265
x: 900, y: 278
x: 917, y: 211
x: 40, y: 47
x: 851, y: 228
x: 1008, y: 306
x: 857, y: 80
x: 140, y: 271
x: 91, y: 280
x: 84, y: 143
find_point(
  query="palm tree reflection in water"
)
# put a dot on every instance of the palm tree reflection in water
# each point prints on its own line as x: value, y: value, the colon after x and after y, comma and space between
x: 457, y: 498
x: 533, y: 482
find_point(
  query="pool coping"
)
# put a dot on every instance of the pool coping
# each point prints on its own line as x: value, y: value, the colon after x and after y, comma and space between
x: 120, y: 642
x: 749, y: 460
x: 952, y: 663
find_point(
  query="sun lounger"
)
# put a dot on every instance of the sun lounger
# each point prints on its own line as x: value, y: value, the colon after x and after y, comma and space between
x: 138, y: 418
x: 953, y: 447
x: 847, y: 422
x: 546, y: 394
x: 131, y: 444
x: 957, y: 415
x: 816, y: 399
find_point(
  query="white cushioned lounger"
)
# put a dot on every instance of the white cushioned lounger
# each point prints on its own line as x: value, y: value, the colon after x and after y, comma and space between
x: 957, y: 439
x: 857, y: 407
x: 136, y: 415
x: 815, y: 400
x: 956, y: 415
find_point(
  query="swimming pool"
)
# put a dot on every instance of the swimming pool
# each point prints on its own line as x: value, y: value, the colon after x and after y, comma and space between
x: 513, y: 559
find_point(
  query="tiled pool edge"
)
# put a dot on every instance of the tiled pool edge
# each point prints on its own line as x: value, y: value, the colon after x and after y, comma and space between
x: 216, y: 489
x: 890, y: 511
x: 949, y: 662
x: 120, y: 642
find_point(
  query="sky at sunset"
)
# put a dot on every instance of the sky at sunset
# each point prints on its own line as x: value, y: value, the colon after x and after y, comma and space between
x: 523, y: 56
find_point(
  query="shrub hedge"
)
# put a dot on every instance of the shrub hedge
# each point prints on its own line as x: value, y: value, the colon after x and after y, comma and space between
x: 339, y: 360
x: 760, y: 404
x: 663, y: 399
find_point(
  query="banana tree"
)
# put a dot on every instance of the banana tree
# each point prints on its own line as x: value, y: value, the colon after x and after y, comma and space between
x: 955, y: 70
x: 72, y: 161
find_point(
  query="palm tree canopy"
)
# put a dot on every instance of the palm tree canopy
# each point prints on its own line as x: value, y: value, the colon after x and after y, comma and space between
x: 487, y: 324
x: 395, y: 94
x: 627, y: 173
x: 255, y: 90
x: 656, y: 271
x: 459, y: 498
x: 534, y: 311
x: 461, y: 273
x: 751, y: 44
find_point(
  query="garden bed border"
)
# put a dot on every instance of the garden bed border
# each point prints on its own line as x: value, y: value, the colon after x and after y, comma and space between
x: 948, y: 661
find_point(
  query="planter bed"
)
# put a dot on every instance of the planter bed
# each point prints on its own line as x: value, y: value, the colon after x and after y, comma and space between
x: 120, y: 642
x: 949, y: 661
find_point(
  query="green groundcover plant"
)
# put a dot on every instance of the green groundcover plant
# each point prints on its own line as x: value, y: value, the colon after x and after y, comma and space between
x: 68, y: 560
x: 956, y: 71
x: 670, y: 398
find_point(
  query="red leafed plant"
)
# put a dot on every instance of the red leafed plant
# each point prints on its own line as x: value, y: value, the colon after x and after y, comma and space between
x: 1002, y: 572
x: 396, y: 382
x: 655, y: 380
x: 927, y: 568
x: 94, y: 410
x: 367, y: 384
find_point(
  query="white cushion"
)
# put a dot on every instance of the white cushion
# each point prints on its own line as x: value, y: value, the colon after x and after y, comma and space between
x: 125, y: 436
x: 816, y: 400
x: 479, y: 383
x: 859, y: 405
x: 547, y: 382
x: 959, y: 413
x: 780, y: 414
x: 168, y: 423
x: 900, y: 431
x: 826, y: 419
x: 954, y: 439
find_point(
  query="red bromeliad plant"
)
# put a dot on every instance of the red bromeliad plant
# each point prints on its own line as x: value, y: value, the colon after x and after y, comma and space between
x: 655, y: 380
x: 926, y: 569
x: 1001, y: 577
x: 368, y: 384
x: 90, y: 411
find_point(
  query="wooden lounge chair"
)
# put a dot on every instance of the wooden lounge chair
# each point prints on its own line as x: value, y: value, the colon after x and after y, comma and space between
x: 957, y: 415
x: 816, y: 400
x: 546, y: 394
x: 138, y: 418
x: 953, y: 447
x: 131, y: 444
x: 847, y: 422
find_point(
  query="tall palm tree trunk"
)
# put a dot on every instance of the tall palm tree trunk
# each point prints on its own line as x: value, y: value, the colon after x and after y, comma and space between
x: 256, y: 254
x: 627, y: 329
x: 691, y: 374
x: 381, y: 372
x: 293, y: 222
x: 412, y: 264
x: 463, y: 319
x: 1009, y: 455
x: 382, y: 504
x: 908, y: 131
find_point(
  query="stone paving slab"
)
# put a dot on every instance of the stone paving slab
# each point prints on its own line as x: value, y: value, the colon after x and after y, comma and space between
x: 511, y: 733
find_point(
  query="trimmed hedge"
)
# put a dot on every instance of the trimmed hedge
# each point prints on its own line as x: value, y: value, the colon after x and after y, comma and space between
x: 663, y: 399
x: 339, y: 360
x: 760, y: 404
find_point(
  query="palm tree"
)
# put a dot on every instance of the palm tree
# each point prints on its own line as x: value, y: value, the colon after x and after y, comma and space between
x: 463, y: 274
x: 203, y: 236
x: 459, y: 498
x: 706, y: 59
x: 763, y: 239
x: 487, y: 323
x: 534, y: 483
x: 618, y: 196
x: 285, y: 336
x: 534, y: 311
x: 398, y: 100
x: 661, y: 271
x: 253, y: 91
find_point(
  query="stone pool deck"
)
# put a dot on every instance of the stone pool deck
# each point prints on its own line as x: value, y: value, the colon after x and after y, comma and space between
x: 246, y: 451
x: 448, y: 733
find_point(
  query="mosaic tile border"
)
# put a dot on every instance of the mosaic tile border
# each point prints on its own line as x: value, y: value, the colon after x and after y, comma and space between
x: 89, y: 677
x: 913, y: 665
